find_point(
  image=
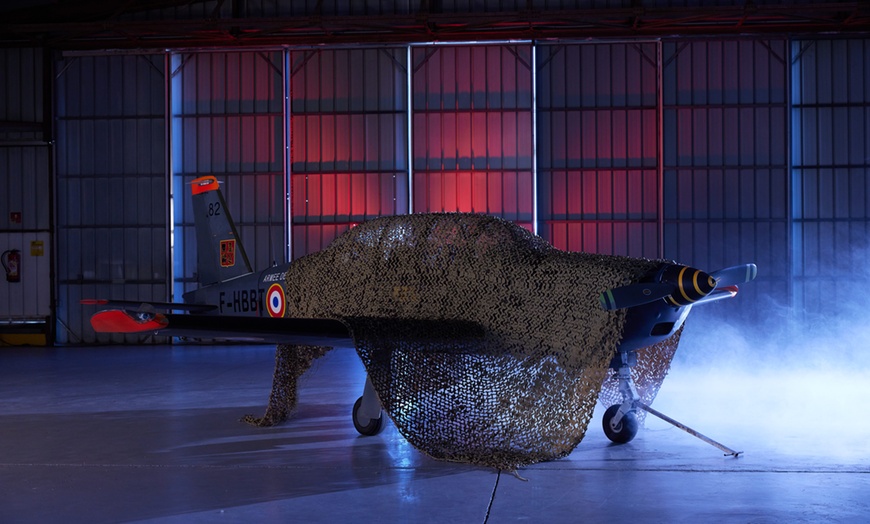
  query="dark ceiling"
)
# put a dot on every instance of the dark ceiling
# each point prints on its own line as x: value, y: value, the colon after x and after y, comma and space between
x: 113, y: 24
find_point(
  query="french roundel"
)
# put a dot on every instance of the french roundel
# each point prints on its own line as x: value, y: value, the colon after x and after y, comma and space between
x: 275, y: 301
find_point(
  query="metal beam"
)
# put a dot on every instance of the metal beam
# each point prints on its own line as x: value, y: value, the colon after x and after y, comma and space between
x: 107, y: 30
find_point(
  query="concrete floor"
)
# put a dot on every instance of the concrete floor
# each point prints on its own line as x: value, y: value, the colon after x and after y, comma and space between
x: 152, y: 434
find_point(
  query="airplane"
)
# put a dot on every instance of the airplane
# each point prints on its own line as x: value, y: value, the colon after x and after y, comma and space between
x: 234, y: 302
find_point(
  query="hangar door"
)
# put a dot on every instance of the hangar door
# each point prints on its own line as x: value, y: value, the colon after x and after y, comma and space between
x: 830, y: 175
x: 462, y: 114
x: 227, y: 114
x: 598, y: 147
x: 112, y: 206
x: 348, y: 140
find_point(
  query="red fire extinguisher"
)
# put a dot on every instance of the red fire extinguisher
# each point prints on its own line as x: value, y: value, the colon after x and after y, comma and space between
x: 11, y: 260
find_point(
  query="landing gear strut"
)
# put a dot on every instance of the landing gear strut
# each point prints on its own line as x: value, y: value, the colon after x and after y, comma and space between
x: 620, y: 420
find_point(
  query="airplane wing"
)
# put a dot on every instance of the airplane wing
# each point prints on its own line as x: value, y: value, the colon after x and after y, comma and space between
x: 301, y: 331
x: 306, y: 332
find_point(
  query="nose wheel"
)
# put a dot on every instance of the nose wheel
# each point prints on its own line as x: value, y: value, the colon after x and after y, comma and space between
x: 624, y: 430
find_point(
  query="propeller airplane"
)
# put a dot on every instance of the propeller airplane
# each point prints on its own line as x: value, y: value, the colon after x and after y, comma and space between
x: 235, y: 302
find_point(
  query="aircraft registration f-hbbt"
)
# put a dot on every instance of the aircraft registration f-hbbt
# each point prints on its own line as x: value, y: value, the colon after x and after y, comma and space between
x: 645, y: 303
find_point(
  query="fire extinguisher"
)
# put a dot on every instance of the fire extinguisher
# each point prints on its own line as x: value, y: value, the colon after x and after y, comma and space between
x: 11, y: 260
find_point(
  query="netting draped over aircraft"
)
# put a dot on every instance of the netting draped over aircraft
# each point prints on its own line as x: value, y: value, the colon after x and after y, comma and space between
x: 412, y: 288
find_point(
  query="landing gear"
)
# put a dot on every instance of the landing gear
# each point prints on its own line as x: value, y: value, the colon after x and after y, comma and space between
x: 620, y: 421
x: 368, y: 419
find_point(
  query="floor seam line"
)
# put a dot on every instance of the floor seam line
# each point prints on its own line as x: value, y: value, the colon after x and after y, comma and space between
x: 492, y: 498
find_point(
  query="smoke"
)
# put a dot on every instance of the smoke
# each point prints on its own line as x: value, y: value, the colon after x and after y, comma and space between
x: 791, y: 381
x: 784, y: 339
x: 820, y: 320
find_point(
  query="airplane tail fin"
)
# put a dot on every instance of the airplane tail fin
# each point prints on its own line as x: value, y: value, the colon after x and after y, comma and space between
x: 220, y: 255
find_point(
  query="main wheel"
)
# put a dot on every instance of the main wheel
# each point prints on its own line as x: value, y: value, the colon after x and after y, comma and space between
x: 369, y: 426
x: 625, y: 430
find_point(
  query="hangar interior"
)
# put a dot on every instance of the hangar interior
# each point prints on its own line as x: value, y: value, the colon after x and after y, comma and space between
x: 710, y: 133
x: 709, y: 150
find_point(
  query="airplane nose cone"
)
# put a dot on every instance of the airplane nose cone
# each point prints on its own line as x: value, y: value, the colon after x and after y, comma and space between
x: 691, y: 284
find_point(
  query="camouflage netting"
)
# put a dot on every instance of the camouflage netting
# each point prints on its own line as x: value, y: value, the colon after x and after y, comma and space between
x: 521, y: 394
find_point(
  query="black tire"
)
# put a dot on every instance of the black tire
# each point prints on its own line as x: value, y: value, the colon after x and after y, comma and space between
x: 625, y: 431
x: 372, y: 426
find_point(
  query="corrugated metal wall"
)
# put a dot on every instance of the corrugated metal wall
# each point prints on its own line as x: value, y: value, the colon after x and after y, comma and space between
x: 472, y: 130
x: 112, y: 230
x: 830, y: 129
x: 22, y: 112
x: 227, y: 112
x: 725, y: 158
x: 709, y: 151
x: 598, y: 147
x: 349, y: 140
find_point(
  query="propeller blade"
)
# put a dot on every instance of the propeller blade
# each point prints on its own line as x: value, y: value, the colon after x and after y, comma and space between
x: 731, y: 276
x: 634, y: 295
x: 718, y: 294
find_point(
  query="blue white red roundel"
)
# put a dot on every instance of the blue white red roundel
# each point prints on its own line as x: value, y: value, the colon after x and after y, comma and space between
x: 275, y: 300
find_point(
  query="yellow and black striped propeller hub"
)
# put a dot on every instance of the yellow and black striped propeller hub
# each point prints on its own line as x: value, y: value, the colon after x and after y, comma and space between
x: 691, y: 284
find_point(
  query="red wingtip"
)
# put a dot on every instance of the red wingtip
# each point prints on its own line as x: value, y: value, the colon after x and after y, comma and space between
x: 94, y: 301
x: 117, y: 321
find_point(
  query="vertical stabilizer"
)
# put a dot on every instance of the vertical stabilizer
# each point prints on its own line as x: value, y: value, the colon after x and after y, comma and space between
x: 220, y: 255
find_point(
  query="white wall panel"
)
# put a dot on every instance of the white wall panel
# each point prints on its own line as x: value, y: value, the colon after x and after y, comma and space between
x: 25, y: 194
x: 25, y: 226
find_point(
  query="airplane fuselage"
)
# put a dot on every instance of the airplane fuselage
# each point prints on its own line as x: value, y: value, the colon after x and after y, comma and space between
x: 258, y: 294
x: 261, y: 294
x: 651, y: 323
